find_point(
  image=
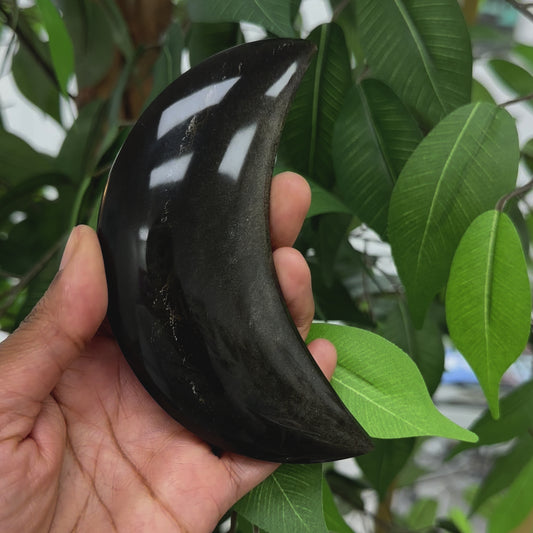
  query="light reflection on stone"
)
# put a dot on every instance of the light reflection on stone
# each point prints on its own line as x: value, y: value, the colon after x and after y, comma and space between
x: 238, y: 148
x: 189, y: 106
x: 275, y: 89
x: 170, y: 171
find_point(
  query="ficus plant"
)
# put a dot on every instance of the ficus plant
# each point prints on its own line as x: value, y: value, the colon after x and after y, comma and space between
x: 398, y: 142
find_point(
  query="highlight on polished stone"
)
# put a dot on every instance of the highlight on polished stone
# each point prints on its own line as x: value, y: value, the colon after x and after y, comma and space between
x: 194, y: 300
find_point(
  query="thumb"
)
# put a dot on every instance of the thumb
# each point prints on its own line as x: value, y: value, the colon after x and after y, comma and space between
x: 34, y: 357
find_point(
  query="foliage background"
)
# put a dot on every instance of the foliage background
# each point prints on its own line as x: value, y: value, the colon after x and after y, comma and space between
x: 401, y: 147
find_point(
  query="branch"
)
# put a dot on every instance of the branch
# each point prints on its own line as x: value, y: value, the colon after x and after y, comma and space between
x: 500, y: 206
x: 521, y: 8
x: 14, y: 24
x: 233, y: 526
x: 524, y: 98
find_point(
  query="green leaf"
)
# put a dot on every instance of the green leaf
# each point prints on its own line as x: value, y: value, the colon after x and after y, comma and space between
x: 119, y: 28
x: 488, y: 300
x: 519, y: 80
x: 39, y: 284
x: 347, y: 488
x: 412, y: 470
x: 515, y: 420
x: 527, y: 154
x: 306, y: 140
x: 91, y: 33
x: 525, y: 52
x: 290, y: 501
x: 504, y: 471
x: 460, y: 521
x: 333, y: 230
x: 334, y: 520
x: 382, y: 387
x: 46, y: 222
x: 384, y: 463
x: 480, y: 93
x: 168, y: 65
x: 333, y: 301
x: 295, y: 9
x: 273, y: 15
x: 345, y: 15
x: 323, y: 201
x: 422, y: 514
x: 21, y: 196
x: 514, y: 212
x: 208, y: 39
x: 77, y: 156
x: 373, y: 138
x: 457, y: 172
x: 423, y: 345
x: 19, y: 161
x: 516, y: 505
x: 35, y: 81
x: 421, y: 49
x: 243, y: 526
x: 61, y: 49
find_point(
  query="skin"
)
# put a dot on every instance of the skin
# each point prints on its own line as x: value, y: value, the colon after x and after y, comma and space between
x: 83, y: 447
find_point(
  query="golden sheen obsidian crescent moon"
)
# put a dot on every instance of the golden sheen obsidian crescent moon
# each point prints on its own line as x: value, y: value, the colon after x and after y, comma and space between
x: 194, y: 300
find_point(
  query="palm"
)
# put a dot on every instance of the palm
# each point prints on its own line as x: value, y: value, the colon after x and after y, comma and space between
x: 126, y: 459
x: 97, y: 453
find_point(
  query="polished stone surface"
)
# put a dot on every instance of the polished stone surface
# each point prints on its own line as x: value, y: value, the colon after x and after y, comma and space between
x: 194, y: 300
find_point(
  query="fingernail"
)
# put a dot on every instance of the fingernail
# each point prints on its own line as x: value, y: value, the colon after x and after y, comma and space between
x: 69, y: 248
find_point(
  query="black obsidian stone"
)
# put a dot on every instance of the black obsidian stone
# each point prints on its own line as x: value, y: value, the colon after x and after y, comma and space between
x: 193, y: 296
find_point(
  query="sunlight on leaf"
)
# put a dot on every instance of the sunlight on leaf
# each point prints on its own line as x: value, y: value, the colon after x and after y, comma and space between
x: 458, y: 171
x: 460, y: 520
x: 382, y: 387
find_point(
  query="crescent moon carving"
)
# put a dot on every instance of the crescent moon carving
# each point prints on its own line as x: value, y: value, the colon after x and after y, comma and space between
x: 194, y: 300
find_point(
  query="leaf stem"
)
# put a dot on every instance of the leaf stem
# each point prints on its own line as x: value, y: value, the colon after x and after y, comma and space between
x: 11, y: 294
x: 519, y: 191
x: 522, y: 8
x: 524, y: 98
x: 470, y: 8
x: 101, y: 171
x: 233, y: 522
x: 339, y: 9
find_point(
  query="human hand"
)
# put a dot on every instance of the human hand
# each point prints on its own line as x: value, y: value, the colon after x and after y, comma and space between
x: 83, y: 447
